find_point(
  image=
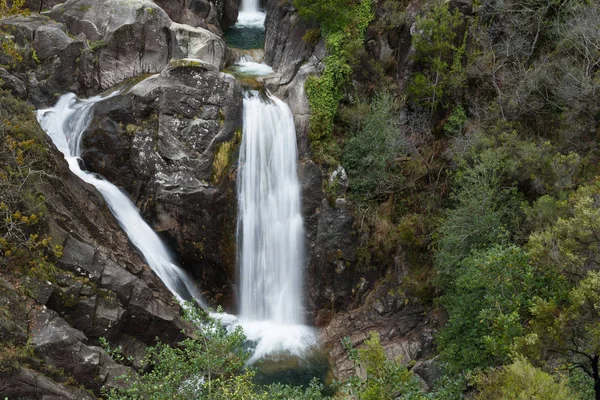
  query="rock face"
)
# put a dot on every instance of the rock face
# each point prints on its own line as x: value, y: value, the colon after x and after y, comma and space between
x: 159, y: 142
x: 214, y: 15
x: 405, y: 331
x: 86, y: 46
x: 101, y: 288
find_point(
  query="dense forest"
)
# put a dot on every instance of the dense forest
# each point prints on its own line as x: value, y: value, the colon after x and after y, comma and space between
x: 467, y: 135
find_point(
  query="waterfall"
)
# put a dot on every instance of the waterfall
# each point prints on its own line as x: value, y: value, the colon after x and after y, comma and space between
x: 270, y: 231
x: 251, y: 15
x: 65, y: 124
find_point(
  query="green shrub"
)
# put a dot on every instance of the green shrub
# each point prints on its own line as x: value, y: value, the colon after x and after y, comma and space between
x: 371, y: 155
x: 343, y: 24
x: 489, y: 305
x: 521, y: 380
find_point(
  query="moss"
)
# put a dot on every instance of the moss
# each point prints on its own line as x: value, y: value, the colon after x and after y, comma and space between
x: 223, y: 157
x: 185, y: 63
x: 97, y: 44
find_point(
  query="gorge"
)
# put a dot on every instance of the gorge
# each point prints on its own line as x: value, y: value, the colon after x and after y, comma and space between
x: 398, y: 199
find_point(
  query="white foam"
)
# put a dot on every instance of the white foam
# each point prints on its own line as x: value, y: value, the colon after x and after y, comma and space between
x: 250, y: 19
x: 246, y: 65
x: 272, y: 339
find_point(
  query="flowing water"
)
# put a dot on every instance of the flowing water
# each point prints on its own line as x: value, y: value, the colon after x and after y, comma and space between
x: 270, y: 229
x: 251, y: 14
x: 65, y: 124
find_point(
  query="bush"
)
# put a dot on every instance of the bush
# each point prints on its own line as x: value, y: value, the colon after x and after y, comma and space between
x: 371, y: 155
x: 521, y: 380
x: 489, y: 305
x: 484, y: 213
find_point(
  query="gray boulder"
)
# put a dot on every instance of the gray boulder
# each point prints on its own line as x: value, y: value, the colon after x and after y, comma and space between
x: 198, y: 43
x: 132, y: 35
x: 159, y: 141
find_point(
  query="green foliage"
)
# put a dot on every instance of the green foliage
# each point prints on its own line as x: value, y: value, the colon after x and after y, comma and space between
x: 371, y: 155
x: 441, y: 74
x: 343, y: 24
x: 521, y: 381
x: 571, y: 245
x: 536, y: 165
x: 12, y: 7
x: 196, y: 368
x: 483, y: 215
x: 489, y: 306
x: 456, y: 121
x: 383, y: 379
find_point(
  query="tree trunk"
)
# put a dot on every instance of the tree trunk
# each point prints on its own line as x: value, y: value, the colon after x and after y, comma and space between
x: 596, y: 377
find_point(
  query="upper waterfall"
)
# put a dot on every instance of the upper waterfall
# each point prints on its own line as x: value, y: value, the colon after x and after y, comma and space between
x: 270, y: 228
x: 250, y: 14
x: 65, y: 124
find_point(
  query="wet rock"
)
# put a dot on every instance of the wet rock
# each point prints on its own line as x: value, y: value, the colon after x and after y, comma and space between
x: 428, y: 370
x: 200, y: 44
x: 57, y: 343
x: 27, y: 383
x: 171, y: 127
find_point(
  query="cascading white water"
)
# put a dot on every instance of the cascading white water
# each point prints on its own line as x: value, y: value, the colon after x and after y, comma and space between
x: 65, y: 124
x: 270, y: 234
x: 270, y: 229
x: 250, y: 14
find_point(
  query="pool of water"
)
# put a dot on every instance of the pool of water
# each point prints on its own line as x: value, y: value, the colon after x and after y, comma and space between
x: 245, y: 37
x: 298, y: 371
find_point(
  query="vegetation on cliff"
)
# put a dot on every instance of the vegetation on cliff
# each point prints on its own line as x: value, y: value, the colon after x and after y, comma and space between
x: 483, y: 160
x: 475, y: 163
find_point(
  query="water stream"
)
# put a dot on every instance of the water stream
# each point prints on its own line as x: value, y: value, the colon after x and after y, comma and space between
x: 65, y: 124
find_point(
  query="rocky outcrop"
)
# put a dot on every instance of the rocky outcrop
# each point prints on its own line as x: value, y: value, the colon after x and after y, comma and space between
x: 285, y: 49
x: 214, y: 15
x: 158, y: 141
x: 406, y: 333
x: 99, y: 288
x: 198, y: 43
x: 86, y: 46
x: 60, y: 345
x: 31, y: 384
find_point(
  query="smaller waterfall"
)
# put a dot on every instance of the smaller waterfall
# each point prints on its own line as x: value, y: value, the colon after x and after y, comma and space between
x: 250, y: 14
x: 246, y: 66
x: 65, y: 124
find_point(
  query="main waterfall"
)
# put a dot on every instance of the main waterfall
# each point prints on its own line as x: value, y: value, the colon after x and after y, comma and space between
x: 270, y: 231
x: 65, y: 124
x: 270, y: 234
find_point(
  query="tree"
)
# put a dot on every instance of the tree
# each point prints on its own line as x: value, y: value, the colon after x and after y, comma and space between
x: 568, y: 326
x: 371, y: 155
x: 521, y: 381
x: 482, y: 216
x: 489, y: 306
x: 441, y: 72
